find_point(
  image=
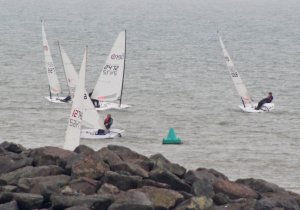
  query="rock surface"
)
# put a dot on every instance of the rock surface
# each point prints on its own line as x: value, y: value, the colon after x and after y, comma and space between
x: 117, y: 178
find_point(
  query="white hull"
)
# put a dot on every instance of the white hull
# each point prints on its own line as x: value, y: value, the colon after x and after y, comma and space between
x: 267, y: 107
x: 56, y: 99
x: 91, y: 134
x: 110, y: 105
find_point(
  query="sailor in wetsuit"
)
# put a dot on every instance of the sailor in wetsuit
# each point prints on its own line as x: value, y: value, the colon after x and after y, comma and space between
x: 66, y: 99
x: 265, y: 100
x: 107, y: 123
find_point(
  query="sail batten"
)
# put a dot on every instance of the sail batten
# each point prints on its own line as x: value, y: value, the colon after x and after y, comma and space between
x: 237, y: 80
x: 110, y: 83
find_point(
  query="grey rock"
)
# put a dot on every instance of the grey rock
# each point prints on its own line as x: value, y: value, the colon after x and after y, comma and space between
x: 161, y: 162
x: 8, y: 164
x: 221, y: 199
x: 203, y: 187
x: 12, y: 147
x: 123, y: 182
x: 196, y: 203
x: 149, y: 182
x: 202, y: 173
x: 90, y: 201
x: 108, y: 189
x: 44, y: 185
x: 81, y: 207
x: 9, y: 188
x: 84, y: 185
x: 12, y: 205
x: 85, y: 150
x: 167, y: 177
x: 30, y: 172
x: 108, y: 156
x: 5, y: 197
x: 133, y: 169
x: 28, y: 201
x: 126, y: 154
x: 260, y: 185
x: 88, y: 166
x: 162, y: 198
x: 51, y: 156
x: 133, y: 200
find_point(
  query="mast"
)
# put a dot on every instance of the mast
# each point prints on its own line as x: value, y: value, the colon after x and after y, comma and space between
x: 123, y: 72
x: 64, y: 68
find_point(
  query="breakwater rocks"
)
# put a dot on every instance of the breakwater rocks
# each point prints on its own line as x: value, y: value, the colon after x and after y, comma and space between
x: 117, y: 178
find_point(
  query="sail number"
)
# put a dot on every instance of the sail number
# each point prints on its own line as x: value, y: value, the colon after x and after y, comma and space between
x: 51, y: 68
x: 110, y: 70
x: 74, y: 122
x: 234, y: 74
x: 117, y: 57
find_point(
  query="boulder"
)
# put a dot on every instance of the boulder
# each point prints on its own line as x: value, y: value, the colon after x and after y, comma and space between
x: 30, y: 172
x: 162, y: 199
x: 260, y: 185
x: 133, y: 200
x: 221, y: 199
x: 8, y: 164
x: 234, y: 190
x: 83, y: 149
x: 196, y: 203
x: 81, y: 207
x: 126, y: 154
x: 167, y: 177
x: 28, y: 201
x: 5, y: 197
x: 45, y: 185
x: 203, y: 187
x: 108, y: 156
x: 202, y: 173
x: 240, y: 204
x: 108, y: 189
x: 150, y: 182
x: 131, y: 168
x: 51, y: 156
x: 12, y: 205
x: 84, y: 185
x: 161, y: 162
x: 88, y: 166
x: 90, y: 201
x: 12, y: 147
x: 122, y: 182
x: 9, y: 188
x: 281, y: 200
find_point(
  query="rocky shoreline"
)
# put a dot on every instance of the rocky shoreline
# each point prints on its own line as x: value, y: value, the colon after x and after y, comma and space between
x: 117, y: 178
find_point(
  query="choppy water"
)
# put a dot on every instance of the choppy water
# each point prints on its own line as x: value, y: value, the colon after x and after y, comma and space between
x: 175, y: 77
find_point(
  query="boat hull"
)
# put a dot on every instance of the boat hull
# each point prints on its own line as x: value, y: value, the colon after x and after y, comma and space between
x: 56, y: 99
x: 267, y: 107
x: 91, y: 134
x: 109, y: 105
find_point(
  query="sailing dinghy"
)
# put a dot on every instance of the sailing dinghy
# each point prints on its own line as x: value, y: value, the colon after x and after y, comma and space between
x: 248, y: 104
x: 54, y: 86
x: 91, y: 120
x: 109, y: 87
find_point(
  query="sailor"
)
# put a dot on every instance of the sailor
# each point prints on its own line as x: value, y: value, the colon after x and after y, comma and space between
x: 94, y: 101
x: 265, y: 100
x: 66, y: 99
x: 108, y: 121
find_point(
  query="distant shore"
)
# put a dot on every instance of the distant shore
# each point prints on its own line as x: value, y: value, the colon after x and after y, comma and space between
x: 117, y: 178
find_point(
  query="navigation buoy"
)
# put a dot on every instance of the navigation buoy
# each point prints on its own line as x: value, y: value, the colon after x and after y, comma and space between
x: 172, y: 138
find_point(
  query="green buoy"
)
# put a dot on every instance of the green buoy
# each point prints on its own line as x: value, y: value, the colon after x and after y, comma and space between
x: 172, y: 138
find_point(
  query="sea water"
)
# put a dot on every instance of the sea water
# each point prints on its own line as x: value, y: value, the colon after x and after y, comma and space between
x: 175, y: 77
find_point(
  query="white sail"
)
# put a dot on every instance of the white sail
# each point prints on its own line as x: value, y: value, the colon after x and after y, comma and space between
x: 237, y: 81
x: 51, y: 72
x: 71, y: 74
x: 91, y: 118
x: 72, y: 138
x: 110, y: 83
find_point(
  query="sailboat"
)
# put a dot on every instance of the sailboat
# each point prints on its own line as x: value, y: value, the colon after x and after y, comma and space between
x: 72, y: 138
x: 248, y: 104
x: 54, y: 86
x: 109, y: 87
x: 91, y: 119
